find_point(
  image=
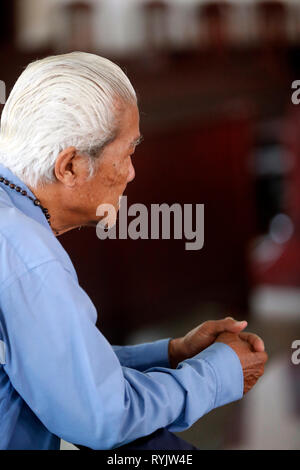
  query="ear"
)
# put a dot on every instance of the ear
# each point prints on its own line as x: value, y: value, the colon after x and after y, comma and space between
x: 69, y: 167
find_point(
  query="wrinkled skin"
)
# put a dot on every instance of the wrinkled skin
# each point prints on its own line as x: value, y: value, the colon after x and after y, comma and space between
x: 248, y: 346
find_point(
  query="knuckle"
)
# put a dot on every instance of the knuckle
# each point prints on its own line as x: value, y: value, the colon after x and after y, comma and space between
x: 203, y: 327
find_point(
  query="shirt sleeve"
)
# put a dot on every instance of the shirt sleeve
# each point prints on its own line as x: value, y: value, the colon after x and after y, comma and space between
x: 71, y: 378
x: 143, y: 356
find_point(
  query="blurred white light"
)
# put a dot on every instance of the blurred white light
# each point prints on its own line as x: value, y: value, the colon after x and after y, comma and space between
x: 281, y: 228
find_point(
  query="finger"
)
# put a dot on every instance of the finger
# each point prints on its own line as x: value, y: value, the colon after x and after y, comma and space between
x: 261, y: 356
x: 255, y: 341
x: 215, y: 327
x: 233, y: 326
x: 228, y: 336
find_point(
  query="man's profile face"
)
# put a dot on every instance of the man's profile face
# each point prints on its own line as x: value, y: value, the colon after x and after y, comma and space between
x: 115, y: 169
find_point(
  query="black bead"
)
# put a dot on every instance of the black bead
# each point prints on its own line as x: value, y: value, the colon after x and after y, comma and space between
x: 24, y: 193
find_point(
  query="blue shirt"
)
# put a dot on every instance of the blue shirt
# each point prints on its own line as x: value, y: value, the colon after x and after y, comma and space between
x: 60, y: 377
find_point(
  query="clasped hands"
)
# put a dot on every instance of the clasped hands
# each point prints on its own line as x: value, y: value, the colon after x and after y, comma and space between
x: 248, y: 346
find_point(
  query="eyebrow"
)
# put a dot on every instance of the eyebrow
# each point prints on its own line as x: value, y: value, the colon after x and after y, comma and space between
x: 137, y: 141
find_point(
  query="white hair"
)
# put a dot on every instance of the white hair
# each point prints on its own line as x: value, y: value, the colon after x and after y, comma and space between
x: 61, y: 101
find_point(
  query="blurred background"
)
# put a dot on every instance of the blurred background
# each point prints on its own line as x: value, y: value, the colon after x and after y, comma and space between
x: 214, y: 80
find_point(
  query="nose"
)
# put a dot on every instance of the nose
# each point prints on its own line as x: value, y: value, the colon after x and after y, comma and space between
x: 131, y: 173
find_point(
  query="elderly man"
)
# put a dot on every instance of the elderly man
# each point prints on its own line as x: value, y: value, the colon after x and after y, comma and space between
x: 68, y: 132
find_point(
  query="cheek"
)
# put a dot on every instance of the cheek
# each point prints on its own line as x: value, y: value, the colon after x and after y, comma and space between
x: 110, y: 178
x: 112, y: 174
x: 119, y: 172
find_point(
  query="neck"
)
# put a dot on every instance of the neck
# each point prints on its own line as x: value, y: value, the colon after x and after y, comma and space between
x: 62, y: 219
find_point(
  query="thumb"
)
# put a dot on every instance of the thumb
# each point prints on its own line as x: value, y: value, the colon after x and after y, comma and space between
x: 233, y: 326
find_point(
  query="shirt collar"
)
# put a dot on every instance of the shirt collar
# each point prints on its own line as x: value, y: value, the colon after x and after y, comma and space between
x: 22, y: 203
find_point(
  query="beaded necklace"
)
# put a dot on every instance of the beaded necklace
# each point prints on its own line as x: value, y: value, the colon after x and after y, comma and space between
x: 21, y: 191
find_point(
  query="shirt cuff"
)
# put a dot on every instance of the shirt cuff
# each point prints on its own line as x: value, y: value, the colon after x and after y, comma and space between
x: 160, y: 353
x: 228, y: 372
